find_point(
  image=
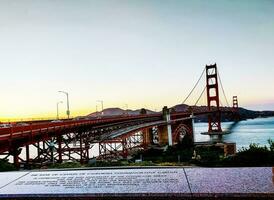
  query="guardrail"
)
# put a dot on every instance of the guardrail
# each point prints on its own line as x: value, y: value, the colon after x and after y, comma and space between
x: 17, y: 131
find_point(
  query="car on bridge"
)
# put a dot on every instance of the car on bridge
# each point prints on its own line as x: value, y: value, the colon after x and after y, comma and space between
x: 21, y: 124
x: 5, y: 125
x: 56, y: 121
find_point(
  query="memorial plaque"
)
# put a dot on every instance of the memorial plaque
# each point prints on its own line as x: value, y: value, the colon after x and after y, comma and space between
x: 254, y: 180
x: 142, y: 183
x: 8, y: 177
x: 118, y: 181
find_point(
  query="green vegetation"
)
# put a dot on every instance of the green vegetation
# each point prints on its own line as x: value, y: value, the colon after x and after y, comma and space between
x: 181, y: 154
x: 6, y: 166
x: 66, y: 165
x: 174, y: 155
x: 208, y: 156
x: 108, y: 163
x: 143, y: 111
x: 271, y: 145
x: 254, y: 156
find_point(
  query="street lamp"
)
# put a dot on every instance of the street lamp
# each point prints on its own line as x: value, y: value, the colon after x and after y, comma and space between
x: 68, y: 112
x: 102, y: 105
x: 58, y: 108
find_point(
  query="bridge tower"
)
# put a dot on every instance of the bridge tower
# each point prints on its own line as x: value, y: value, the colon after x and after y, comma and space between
x: 235, y: 104
x: 235, y: 109
x: 213, y: 102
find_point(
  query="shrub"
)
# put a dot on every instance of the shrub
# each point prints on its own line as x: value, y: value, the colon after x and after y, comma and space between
x: 105, y: 163
x: 209, y: 155
x: 144, y: 163
x: 66, y: 165
x: 6, y: 166
x: 186, y: 142
x: 271, y: 144
x: 252, y: 156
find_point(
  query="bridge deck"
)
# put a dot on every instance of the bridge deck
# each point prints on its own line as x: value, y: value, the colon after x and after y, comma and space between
x: 40, y: 131
x: 29, y: 134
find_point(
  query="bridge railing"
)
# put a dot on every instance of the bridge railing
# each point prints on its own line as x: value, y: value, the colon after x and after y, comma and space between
x: 15, y: 130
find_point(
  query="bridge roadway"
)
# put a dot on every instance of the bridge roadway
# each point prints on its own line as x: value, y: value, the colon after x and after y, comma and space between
x: 32, y: 133
x: 103, y: 128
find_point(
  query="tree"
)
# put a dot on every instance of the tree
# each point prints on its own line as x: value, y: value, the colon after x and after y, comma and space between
x: 143, y: 111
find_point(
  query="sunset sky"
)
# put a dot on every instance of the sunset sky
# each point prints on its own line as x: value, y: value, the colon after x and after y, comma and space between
x: 143, y: 53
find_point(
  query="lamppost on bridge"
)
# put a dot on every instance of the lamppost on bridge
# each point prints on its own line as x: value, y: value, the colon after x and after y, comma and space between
x: 102, y: 106
x: 58, y: 108
x: 66, y: 93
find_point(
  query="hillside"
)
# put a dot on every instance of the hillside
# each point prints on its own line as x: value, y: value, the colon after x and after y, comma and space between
x: 118, y: 111
x: 244, y: 113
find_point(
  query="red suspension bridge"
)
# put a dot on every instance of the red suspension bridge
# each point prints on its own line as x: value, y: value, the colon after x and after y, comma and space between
x: 44, y: 141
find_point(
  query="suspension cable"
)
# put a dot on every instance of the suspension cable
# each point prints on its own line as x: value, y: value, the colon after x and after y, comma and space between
x: 200, y: 96
x: 194, y: 86
x: 221, y: 103
x: 222, y: 88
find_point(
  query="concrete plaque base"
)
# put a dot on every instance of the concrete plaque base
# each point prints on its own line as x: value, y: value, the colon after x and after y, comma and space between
x: 139, y: 183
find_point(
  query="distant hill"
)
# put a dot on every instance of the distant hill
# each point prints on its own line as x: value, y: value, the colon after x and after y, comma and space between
x: 180, y: 108
x: 118, y: 111
x: 244, y: 113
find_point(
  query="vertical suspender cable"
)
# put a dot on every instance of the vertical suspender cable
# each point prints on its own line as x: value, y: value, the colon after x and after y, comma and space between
x: 194, y: 86
x: 222, y: 88
x: 200, y: 96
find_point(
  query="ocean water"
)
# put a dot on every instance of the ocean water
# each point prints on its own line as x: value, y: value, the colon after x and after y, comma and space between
x: 257, y: 131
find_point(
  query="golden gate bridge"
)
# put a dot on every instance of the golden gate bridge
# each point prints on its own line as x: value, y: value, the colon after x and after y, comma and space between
x: 116, y: 136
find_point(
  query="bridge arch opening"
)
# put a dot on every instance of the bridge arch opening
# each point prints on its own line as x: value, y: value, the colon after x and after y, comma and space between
x: 180, y: 132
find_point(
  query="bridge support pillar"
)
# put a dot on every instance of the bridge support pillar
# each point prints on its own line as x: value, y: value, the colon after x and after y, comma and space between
x: 38, y: 151
x: 125, y: 148
x: 15, y: 152
x: 169, y: 134
x: 147, y: 137
x: 165, y: 132
x: 87, y: 151
x: 81, y: 148
x: 163, y: 135
x: 59, y: 141
x: 27, y: 156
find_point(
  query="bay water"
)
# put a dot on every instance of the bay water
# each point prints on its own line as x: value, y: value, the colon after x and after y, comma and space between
x: 249, y: 131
